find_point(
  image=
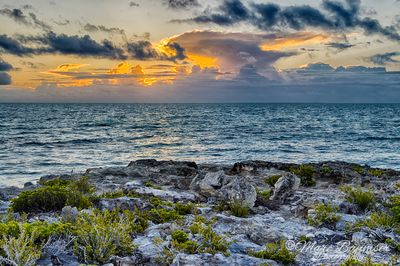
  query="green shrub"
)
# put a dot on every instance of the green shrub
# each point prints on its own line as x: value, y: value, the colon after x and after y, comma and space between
x: 276, y: 252
x: 378, y: 220
x: 102, y: 234
x: 179, y: 236
x: 264, y: 195
x: 324, y: 215
x: 209, y: 240
x: 359, y: 169
x: 152, y: 185
x: 272, y: 180
x: 363, y: 199
x: 185, y: 209
x: 20, y: 250
x: 351, y: 261
x: 238, y: 209
x: 395, y: 206
x: 326, y: 170
x: 54, y: 195
x: 304, y: 238
x: 160, y: 216
x: 306, y: 174
x: 376, y: 172
x: 189, y: 246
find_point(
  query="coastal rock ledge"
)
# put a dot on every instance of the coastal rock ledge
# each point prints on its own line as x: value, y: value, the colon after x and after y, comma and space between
x: 182, y: 213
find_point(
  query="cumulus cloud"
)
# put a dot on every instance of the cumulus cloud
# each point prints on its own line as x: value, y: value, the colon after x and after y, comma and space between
x: 28, y: 20
x: 383, y: 59
x: 232, y: 51
x: 314, y: 83
x: 144, y: 50
x: 333, y: 15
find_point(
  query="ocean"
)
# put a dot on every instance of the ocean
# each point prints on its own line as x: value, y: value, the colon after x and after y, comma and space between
x: 41, y: 139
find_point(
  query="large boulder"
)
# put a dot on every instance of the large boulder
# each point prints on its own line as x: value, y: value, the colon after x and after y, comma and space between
x: 225, y: 188
x: 285, y: 187
x: 239, y: 190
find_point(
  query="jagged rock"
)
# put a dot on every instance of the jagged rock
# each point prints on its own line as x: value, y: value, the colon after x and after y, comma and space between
x: 345, y: 220
x: 225, y: 188
x: 209, y: 185
x: 124, y: 203
x: 219, y: 260
x: 69, y: 214
x: 134, y: 260
x: 4, y: 205
x: 239, y: 190
x: 285, y: 187
x: 360, y: 238
x: 165, y: 194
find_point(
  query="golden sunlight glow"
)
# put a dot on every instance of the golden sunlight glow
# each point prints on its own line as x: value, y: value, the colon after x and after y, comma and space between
x: 202, y: 60
x: 282, y: 43
x: 127, y: 69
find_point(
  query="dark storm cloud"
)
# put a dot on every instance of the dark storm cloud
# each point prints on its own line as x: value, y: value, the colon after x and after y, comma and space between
x: 85, y: 46
x: 383, y: 59
x: 5, y: 78
x: 77, y: 45
x: 31, y: 20
x: 95, y: 28
x: 181, y: 4
x: 144, y: 50
x: 13, y: 46
x: 332, y: 15
x: 4, y: 66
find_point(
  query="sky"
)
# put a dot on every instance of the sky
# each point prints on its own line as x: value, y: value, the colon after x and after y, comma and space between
x: 200, y: 51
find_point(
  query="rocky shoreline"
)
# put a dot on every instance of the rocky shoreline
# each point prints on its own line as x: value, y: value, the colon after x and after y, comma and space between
x: 183, y: 213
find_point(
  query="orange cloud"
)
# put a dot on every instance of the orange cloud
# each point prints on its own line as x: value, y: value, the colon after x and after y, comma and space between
x: 127, y: 69
x: 282, y: 43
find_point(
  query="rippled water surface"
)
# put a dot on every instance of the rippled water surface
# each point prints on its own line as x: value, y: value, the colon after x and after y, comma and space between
x: 39, y: 139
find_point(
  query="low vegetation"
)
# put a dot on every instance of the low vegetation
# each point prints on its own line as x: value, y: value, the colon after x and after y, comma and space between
x: 324, y: 215
x: 100, y: 235
x: 54, y: 195
x: 306, y: 174
x: 272, y: 180
x: 351, y: 261
x: 277, y: 252
x: 365, y: 199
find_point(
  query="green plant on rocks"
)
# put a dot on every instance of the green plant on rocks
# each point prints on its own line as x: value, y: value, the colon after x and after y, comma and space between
x: 324, y: 215
x: 209, y: 241
x: 238, y: 209
x: 306, y: 174
x: 101, y: 234
x: 277, y: 252
x: 378, y: 220
x: 358, y: 169
x: 362, y: 198
x: 351, y: 261
x: 376, y: 172
x: 272, y: 180
x: 54, y: 195
x: 21, y: 250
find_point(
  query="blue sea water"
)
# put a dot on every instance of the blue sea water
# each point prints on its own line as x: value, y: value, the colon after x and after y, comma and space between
x: 40, y: 139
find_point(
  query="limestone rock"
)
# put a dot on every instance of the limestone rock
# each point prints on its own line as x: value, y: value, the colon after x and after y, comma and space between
x: 285, y: 187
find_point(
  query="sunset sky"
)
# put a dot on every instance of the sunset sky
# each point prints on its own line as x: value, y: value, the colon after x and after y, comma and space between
x: 200, y: 51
